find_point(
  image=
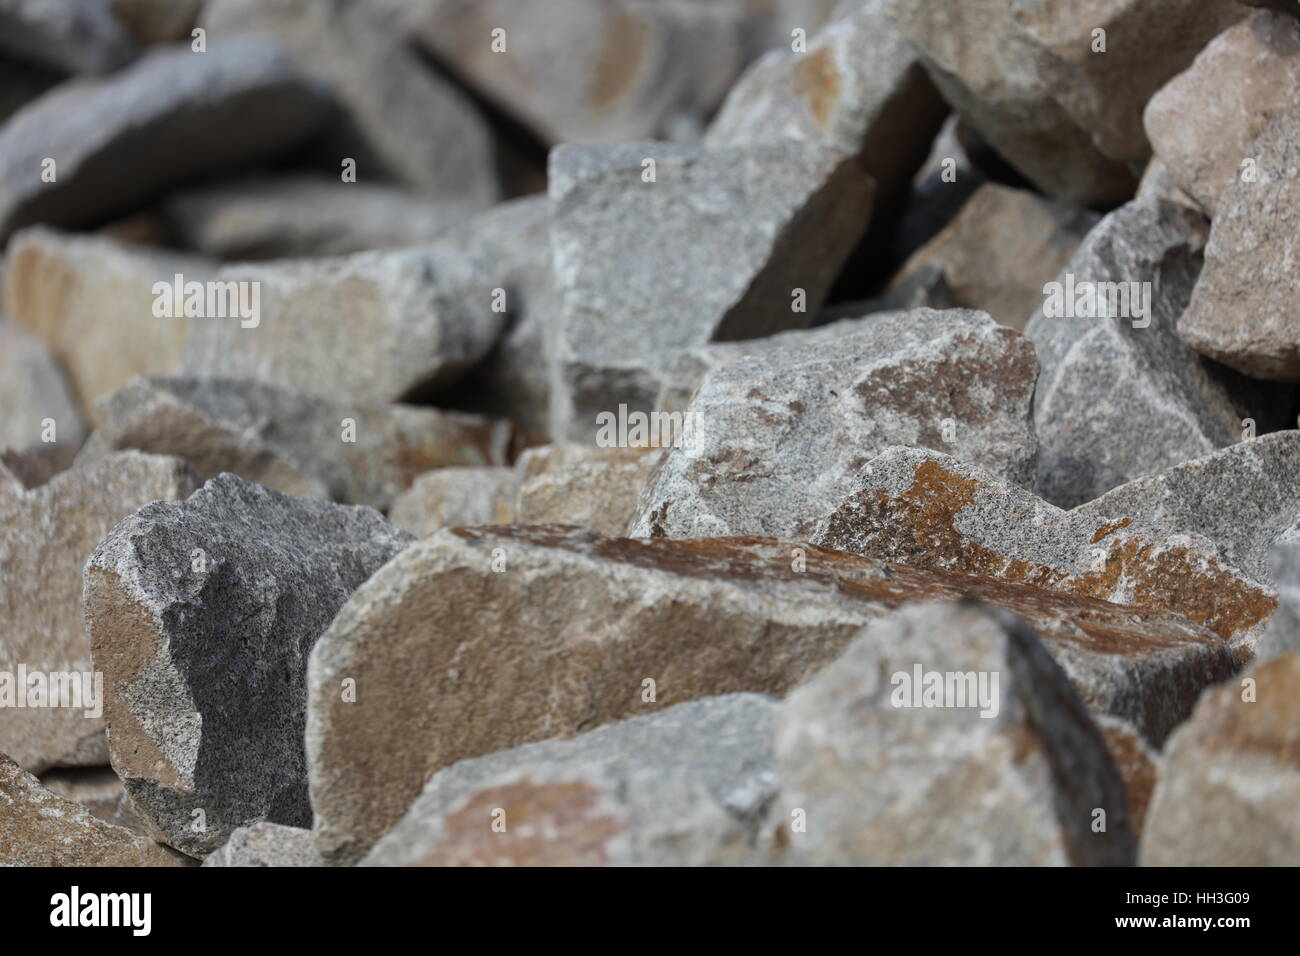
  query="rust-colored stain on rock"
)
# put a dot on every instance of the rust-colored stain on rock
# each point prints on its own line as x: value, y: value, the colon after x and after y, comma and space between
x: 817, y: 80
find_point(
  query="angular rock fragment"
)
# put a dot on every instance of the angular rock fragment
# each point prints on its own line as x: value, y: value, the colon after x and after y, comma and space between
x: 1283, y: 633
x: 46, y: 534
x: 1203, y: 122
x: 292, y: 442
x: 1229, y: 789
x: 301, y: 216
x: 373, y: 327
x: 620, y: 326
x: 929, y: 510
x: 98, y: 789
x: 40, y: 828
x: 596, y: 488
x: 1119, y: 396
x: 1242, y: 312
x: 81, y: 37
x: 201, y: 615
x: 999, y: 251
x: 1003, y: 766
x: 686, y: 786
x: 481, y: 639
x: 1138, y: 764
x: 452, y: 497
x: 172, y: 116
x: 34, y: 395
x: 778, y: 438
x: 92, y: 302
x: 401, y: 120
x: 266, y: 844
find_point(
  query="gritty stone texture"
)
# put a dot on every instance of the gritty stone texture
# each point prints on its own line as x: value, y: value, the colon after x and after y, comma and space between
x: 400, y: 120
x: 891, y: 785
x: 300, y: 216
x: 1204, y: 122
x: 452, y: 659
x: 372, y: 327
x: 169, y: 117
x: 999, y: 251
x: 1137, y: 762
x: 290, y: 441
x: 40, y: 828
x: 1283, y: 633
x: 201, y: 616
x: 266, y: 844
x: 80, y: 37
x: 1229, y: 789
x: 90, y: 300
x: 46, y: 534
x: 929, y: 510
x: 32, y: 390
x: 683, y: 787
x: 1114, y: 401
x: 451, y: 497
x: 596, y: 488
x: 1242, y: 312
x: 739, y: 283
x: 779, y: 438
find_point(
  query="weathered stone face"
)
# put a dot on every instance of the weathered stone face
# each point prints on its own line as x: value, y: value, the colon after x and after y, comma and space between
x: 451, y: 497
x: 595, y: 488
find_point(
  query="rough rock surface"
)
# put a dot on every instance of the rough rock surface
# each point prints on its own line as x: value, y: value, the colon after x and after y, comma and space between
x: 683, y: 787
x: 266, y: 844
x: 40, y: 828
x: 46, y: 534
x: 1138, y: 764
x: 82, y: 37
x: 1283, y: 633
x: 742, y: 282
x: 201, y: 616
x: 171, y: 116
x: 292, y: 442
x: 98, y: 789
x: 780, y: 437
x: 466, y: 644
x: 32, y: 391
x: 452, y: 497
x: 1011, y: 775
x: 1229, y: 789
x: 596, y: 488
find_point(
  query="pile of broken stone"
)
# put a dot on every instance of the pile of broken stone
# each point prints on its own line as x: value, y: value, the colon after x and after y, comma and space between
x: 953, y: 565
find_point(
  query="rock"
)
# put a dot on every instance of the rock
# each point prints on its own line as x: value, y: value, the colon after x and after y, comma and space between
x: 201, y: 615
x: 926, y: 288
x: 40, y: 828
x: 1138, y: 764
x: 20, y: 84
x: 994, y: 74
x: 451, y: 497
x: 33, y: 394
x: 744, y: 281
x: 596, y: 488
x: 300, y: 216
x: 586, y: 71
x: 1119, y: 396
x: 98, y: 789
x: 466, y: 644
x: 1241, y: 313
x: 373, y: 327
x: 1000, y: 250
x: 1229, y: 789
x: 158, y: 21
x: 1283, y: 633
x: 266, y: 844
x: 401, y: 120
x: 1157, y: 185
x: 170, y: 117
x: 686, y: 786
x: 46, y: 535
x: 81, y: 37
x: 780, y: 437
x: 921, y: 508
x: 292, y: 442
x: 1005, y: 768
x: 1203, y: 122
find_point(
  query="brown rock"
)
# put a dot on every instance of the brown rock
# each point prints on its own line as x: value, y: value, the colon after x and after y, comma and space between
x: 451, y: 497
x: 596, y: 488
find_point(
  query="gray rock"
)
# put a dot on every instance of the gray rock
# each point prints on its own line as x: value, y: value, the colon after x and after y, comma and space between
x: 1120, y: 396
x: 170, y: 117
x: 290, y: 441
x: 779, y: 438
x: 595, y: 488
x: 201, y: 616
x: 266, y: 844
x: 622, y: 323
x: 1283, y: 633
x: 452, y: 497
x: 683, y: 787
x: 80, y: 37
x: 34, y: 392
x: 466, y: 644
x: 1005, y: 768
x: 46, y: 534
x: 401, y: 120
x: 1241, y: 312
